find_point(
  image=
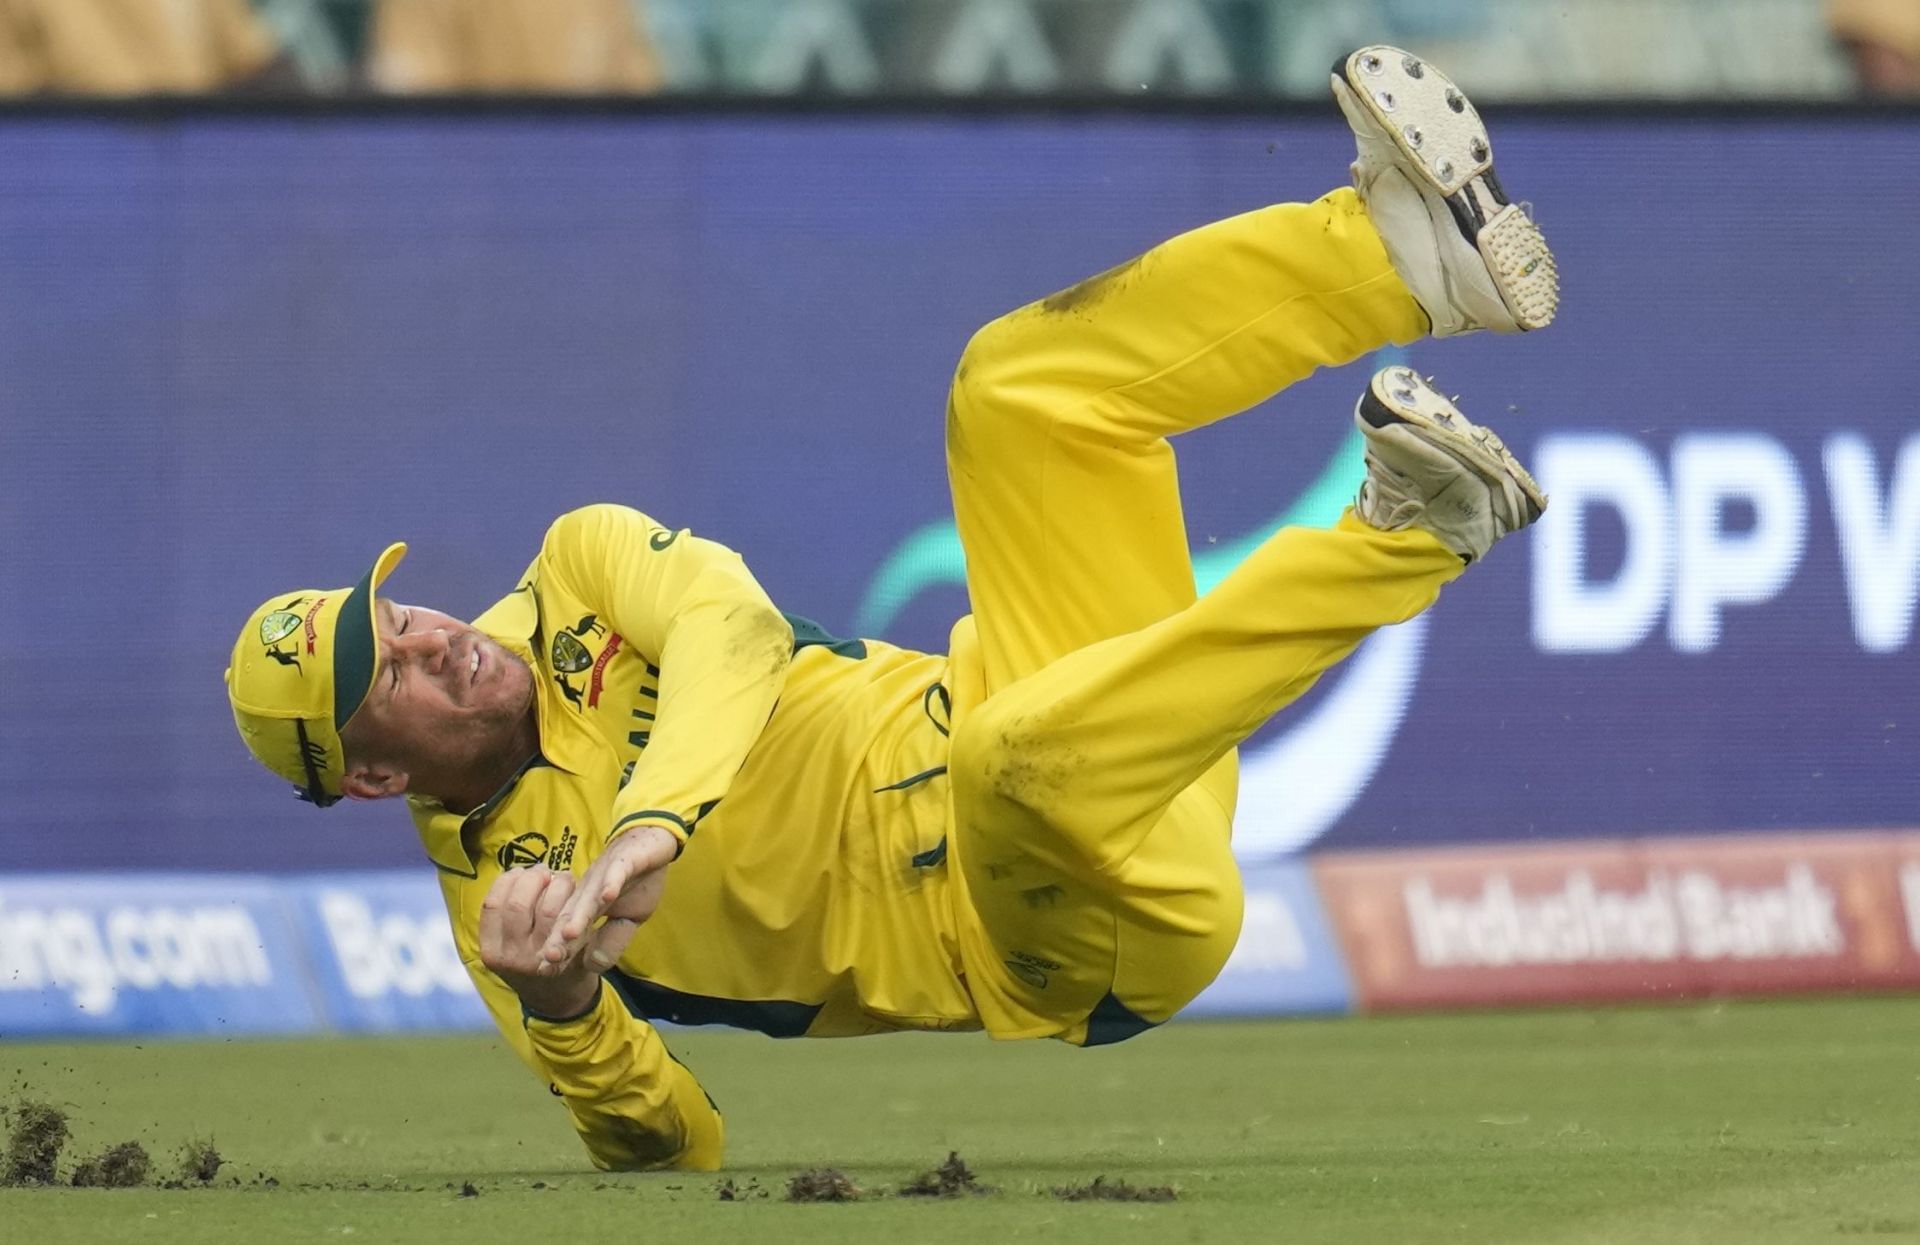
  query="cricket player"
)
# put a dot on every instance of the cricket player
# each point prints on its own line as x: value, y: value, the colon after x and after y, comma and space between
x: 651, y: 796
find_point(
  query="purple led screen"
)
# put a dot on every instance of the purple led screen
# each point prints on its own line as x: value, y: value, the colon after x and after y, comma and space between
x: 240, y: 354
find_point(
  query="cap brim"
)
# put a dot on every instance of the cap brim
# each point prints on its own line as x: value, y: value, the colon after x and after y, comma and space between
x: 356, y: 656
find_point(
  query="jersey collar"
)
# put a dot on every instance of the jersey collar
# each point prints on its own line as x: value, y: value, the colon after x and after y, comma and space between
x: 566, y: 742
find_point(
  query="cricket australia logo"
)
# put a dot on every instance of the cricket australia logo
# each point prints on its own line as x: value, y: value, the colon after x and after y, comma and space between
x: 278, y: 626
x: 568, y: 655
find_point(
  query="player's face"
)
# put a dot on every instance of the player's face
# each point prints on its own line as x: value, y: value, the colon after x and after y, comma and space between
x: 447, y: 703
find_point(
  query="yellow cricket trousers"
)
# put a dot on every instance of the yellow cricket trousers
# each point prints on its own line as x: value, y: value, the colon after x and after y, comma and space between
x: 1093, y: 772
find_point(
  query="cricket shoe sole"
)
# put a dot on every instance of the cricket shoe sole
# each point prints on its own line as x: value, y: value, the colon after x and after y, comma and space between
x: 1473, y: 259
x: 1430, y: 467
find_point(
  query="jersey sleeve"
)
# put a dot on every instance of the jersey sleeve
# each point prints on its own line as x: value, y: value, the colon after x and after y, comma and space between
x: 634, y: 1105
x: 692, y: 608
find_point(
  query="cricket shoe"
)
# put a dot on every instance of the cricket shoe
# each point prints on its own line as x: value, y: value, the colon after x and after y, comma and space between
x: 1425, y: 171
x: 1429, y: 466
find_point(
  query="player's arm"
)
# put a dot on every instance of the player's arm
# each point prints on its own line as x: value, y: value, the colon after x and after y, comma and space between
x: 632, y: 1103
x: 722, y: 648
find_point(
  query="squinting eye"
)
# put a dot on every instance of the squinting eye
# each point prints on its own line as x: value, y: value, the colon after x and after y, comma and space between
x: 400, y: 628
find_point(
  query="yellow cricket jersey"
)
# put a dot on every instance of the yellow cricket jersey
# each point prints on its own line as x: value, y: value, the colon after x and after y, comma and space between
x: 804, y: 775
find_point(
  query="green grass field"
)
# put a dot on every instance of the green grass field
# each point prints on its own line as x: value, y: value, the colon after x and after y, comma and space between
x: 1749, y: 1122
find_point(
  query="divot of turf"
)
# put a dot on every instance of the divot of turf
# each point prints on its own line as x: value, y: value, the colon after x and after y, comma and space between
x: 728, y: 1191
x: 823, y: 1184
x: 467, y: 1190
x: 124, y: 1166
x: 36, y: 1133
x: 952, y: 1178
x: 200, y: 1162
x: 1104, y: 1190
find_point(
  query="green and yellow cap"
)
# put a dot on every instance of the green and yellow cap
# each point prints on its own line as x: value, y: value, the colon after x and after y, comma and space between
x: 301, y: 667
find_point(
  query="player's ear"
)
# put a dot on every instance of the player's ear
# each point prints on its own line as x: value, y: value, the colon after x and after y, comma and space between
x: 365, y: 781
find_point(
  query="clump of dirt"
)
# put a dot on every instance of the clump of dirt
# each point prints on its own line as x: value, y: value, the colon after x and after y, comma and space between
x: 822, y: 1184
x: 467, y: 1190
x: 37, y: 1131
x: 200, y: 1162
x: 728, y: 1191
x: 952, y: 1178
x: 1104, y: 1190
x: 119, y: 1167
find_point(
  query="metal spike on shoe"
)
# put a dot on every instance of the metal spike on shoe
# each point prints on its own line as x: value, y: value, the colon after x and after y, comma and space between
x: 1472, y: 258
x: 1523, y: 267
x: 1406, y: 94
x: 1430, y: 467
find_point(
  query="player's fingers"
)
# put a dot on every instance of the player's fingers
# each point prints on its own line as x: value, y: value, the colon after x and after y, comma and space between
x: 506, y: 921
x: 577, y: 914
x: 555, y: 949
x: 517, y: 884
x: 491, y: 923
x: 620, y: 867
x: 553, y: 901
x: 548, y: 915
x: 522, y: 895
x: 576, y: 917
x: 592, y: 899
x: 603, y: 951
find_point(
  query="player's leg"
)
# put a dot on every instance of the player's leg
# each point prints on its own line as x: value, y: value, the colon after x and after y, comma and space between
x: 1068, y: 507
x: 1087, y: 781
x: 1064, y: 485
x: 1103, y: 738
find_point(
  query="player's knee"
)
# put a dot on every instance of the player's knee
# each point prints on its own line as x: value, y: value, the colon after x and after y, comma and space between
x: 985, y: 351
x: 982, y: 382
x: 969, y: 377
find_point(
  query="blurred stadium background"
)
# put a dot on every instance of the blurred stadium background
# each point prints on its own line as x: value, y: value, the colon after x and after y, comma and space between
x: 287, y: 280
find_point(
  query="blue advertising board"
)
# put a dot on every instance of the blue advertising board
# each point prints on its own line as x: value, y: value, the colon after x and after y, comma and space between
x: 243, y: 353
x: 99, y: 955
x: 382, y: 953
x: 214, y: 954
x: 229, y: 954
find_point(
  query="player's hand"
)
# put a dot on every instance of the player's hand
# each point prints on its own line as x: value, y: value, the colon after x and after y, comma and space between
x: 516, y: 918
x: 623, y: 885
